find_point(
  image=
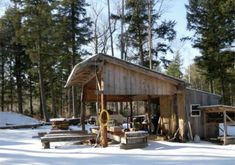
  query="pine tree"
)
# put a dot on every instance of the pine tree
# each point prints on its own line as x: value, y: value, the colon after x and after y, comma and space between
x: 174, y: 69
x: 136, y: 35
x: 193, y: 75
x: 213, y: 23
x: 75, y: 32
x: 36, y: 35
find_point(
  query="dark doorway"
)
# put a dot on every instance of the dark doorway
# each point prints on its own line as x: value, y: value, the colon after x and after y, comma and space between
x: 155, y: 114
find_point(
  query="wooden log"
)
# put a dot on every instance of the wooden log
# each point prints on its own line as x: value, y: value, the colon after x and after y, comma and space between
x: 103, y: 128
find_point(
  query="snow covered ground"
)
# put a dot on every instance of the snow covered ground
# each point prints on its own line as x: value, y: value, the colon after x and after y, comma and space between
x: 18, y: 147
x: 12, y: 118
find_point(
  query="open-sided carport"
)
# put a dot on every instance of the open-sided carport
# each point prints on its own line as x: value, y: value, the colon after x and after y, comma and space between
x: 104, y: 78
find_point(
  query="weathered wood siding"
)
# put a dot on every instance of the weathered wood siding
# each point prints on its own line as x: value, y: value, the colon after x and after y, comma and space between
x: 181, y: 113
x: 203, y: 98
x: 122, y: 81
x: 166, y: 112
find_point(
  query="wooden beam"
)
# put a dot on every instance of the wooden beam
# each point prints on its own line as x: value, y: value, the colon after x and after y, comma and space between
x: 232, y: 121
x: 205, y: 125
x: 225, y: 128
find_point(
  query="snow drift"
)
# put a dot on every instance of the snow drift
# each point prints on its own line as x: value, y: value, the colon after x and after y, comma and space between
x: 14, y: 119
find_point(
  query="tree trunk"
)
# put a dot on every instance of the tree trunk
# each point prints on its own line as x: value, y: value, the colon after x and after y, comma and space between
x: 42, y: 91
x: 223, y: 90
x: 150, y: 32
x: 53, y: 107
x: 40, y: 109
x: 211, y: 86
x: 141, y: 51
x: 19, y: 79
x: 122, y: 31
x: 30, y: 96
x: 2, y: 80
x: 61, y: 94
x: 95, y: 35
x: 73, y: 60
x: 110, y: 28
x: 11, y: 87
x: 141, y: 54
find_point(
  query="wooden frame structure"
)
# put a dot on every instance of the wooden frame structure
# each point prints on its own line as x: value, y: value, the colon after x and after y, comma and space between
x: 223, y: 109
x: 104, y: 78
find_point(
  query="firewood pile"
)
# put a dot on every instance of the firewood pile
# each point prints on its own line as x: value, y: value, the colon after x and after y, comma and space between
x: 59, y: 123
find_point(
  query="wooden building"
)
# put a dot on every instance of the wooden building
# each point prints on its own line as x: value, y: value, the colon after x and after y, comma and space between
x: 105, y: 79
x: 195, y: 99
x: 213, y: 117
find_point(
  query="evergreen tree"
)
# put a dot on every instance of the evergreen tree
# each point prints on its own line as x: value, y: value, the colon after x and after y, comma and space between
x: 3, y: 55
x: 174, y: 69
x: 197, y: 80
x: 36, y: 35
x: 136, y: 35
x: 213, y: 23
x: 74, y: 30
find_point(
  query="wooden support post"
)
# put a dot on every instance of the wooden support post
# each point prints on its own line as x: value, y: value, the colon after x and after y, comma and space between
x: 149, y: 114
x: 225, y: 128
x: 46, y: 145
x: 83, y: 109
x: 103, y: 140
x: 205, y: 124
x: 175, y: 109
x: 131, y: 115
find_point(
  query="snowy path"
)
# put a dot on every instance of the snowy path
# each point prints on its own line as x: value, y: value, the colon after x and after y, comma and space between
x: 18, y: 147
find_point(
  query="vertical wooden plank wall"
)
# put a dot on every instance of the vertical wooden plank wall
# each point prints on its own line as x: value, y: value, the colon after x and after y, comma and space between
x: 166, y: 114
x: 181, y: 113
x: 121, y: 81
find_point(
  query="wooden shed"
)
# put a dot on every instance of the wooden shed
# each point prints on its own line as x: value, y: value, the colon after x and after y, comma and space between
x: 194, y: 100
x: 213, y: 117
x: 105, y: 79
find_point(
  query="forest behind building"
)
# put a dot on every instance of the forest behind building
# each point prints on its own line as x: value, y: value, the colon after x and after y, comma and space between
x: 41, y: 41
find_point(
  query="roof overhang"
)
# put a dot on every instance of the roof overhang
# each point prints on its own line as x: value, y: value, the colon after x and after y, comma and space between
x: 217, y: 108
x: 86, y: 70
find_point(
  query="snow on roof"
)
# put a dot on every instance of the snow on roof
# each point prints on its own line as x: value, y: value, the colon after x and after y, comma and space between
x: 13, y: 118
